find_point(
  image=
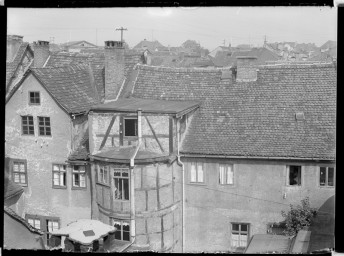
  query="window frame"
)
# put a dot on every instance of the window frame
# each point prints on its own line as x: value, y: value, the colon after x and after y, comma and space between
x: 122, y: 231
x: 288, y: 176
x: 43, y: 126
x: 240, y: 233
x: 136, y: 128
x: 197, y: 182
x: 78, y: 172
x: 39, y: 98
x: 101, y: 181
x: 226, y: 174
x: 326, y: 179
x: 23, y: 161
x: 27, y: 125
x: 59, y: 171
x: 121, y: 179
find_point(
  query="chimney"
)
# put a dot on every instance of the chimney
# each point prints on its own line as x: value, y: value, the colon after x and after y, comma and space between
x: 41, y: 53
x: 13, y: 44
x: 114, y: 68
x: 246, y: 69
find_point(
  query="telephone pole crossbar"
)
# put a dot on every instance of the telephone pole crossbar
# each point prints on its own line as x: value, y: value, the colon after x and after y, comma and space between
x: 121, y: 29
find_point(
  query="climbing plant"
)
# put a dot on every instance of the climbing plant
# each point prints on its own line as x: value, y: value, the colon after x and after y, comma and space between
x: 298, y: 217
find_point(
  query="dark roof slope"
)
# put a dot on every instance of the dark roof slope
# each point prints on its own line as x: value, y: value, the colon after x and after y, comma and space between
x: 69, y: 85
x: 255, y: 119
x: 82, y: 151
x: 11, y: 189
x: 12, y: 66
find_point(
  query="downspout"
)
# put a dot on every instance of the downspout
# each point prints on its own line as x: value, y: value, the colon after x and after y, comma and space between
x: 183, y: 188
x: 132, y: 183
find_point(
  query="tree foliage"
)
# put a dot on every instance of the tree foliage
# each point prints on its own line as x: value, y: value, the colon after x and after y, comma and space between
x: 298, y: 217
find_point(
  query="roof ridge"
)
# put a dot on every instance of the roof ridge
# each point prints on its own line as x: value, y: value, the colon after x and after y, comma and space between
x: 65, y: 67
x: 177, y: 69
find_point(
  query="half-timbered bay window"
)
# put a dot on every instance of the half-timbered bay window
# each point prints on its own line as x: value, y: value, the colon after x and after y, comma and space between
x: 327, y: 177
x: 196, y: 173
x: 239, y: 235
x: 79, y: 176
x: 19, y: 172
x: 122, y: 230
x: 226, y: 174
x: 103, y: 174
x: 59, y: 175
x: 121, y: 184
x: 27, y: 125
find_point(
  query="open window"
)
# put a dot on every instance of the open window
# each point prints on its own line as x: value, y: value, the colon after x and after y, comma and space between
x: 294, y: 175
x: 327, y: 176
x: 122, y: 230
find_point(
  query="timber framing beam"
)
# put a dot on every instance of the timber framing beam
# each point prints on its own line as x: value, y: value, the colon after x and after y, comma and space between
x: 154, y: 134
x: 107, y: 132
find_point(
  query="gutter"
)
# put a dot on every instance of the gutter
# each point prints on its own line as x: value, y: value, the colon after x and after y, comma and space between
x: 180, y: 163
x: 132, y: 184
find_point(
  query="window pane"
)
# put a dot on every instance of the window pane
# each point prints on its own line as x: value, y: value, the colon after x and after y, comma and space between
x: 30, y: 222
x: 200, y: 172
x: 235, y: 227
x: 15, y: 167
x: 243, y: 227
x: 230, y: 175
x: 125, y: 174
x: 75, y: 167
x: 56, y: 167
x: 37, y: 224
x: 56, y: 179
x: 330, y: 176
x: 22, y: 168
x: 193, y: 172
x: 126, y: 189
x: 117, y: 174
x: 105, y: 174
x: 322, y: 176
x: 16, y: 177
x: 117, y: 192
x: 222, y: 175
x: 82, y: 180
x: 243, y: 240
x: 295, y: 175
x: 22, y: 178
x: 76, y: 179
x: 126, y: 236
x: 235, y: 240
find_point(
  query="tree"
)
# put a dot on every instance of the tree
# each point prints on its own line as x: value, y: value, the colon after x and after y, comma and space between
x: 298, y: 217
x: 191, y: 44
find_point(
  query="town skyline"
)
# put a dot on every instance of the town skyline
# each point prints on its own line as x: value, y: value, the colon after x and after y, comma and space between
x: 209, y: 26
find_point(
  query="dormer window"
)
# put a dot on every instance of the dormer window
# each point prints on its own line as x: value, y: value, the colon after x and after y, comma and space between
x: 34, y: 98
x: 130, y: 127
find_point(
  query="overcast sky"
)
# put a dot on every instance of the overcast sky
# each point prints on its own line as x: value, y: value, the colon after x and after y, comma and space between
x: 210, y: 26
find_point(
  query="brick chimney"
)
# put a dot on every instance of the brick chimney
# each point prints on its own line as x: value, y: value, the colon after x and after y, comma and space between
x: 114, y: 68
x: 13, y: 44
x: 41, y: 53
x: 246, y: 69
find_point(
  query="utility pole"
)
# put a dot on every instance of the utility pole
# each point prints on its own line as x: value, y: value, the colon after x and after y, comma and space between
x: 121, y: 32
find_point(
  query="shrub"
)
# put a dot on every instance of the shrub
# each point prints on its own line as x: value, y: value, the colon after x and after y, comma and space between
x: 298, y: 217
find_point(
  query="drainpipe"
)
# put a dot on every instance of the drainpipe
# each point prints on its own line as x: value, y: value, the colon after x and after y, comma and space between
x: 183, y: 188
x: 132, y: 183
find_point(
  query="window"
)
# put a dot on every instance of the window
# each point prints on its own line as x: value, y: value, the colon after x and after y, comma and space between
x: 51, y: 225
x: 44, y: 126
x: 239, y: 235
x: 79, y: 176
x: 34, y: 98
x: 294, y: 176
x: 327, y: 176
x: 19, y: 172
x: 122, y: 230
x: 27, y: 125
x: 197, y: 174
x: 226, y: 174
x: 103, y: 174
x: 59, y: 175
x: 121, y: 184
x: 130, y: 127
x: 36, y: 223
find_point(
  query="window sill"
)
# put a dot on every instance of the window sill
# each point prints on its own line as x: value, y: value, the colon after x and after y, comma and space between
x: 34, y: 104
x: 60, y: 187
x: 46, y: 136
x: 327, y: 187
x: 33, y: 135
x: 119, y: 200
x: 294, y: 186
x: 20, y: 184
x: 103, y: 184
x: 197, y: 183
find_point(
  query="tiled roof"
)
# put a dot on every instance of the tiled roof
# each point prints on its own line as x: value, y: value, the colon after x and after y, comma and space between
x: 70, y: 86
x: 255, y: 119
x: 11, y: 189
x: 12, y: 66
x: 13, y: 214
x: 82, y: 151
x: 151, y: 45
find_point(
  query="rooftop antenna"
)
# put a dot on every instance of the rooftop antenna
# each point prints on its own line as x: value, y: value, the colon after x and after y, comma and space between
x: 121, y: 29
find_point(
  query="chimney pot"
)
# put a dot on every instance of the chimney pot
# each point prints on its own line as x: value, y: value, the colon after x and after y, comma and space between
x: 113, y: 44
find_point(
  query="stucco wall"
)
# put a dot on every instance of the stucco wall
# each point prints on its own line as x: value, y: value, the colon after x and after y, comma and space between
x: 41, y: 152
x: 255, y: 198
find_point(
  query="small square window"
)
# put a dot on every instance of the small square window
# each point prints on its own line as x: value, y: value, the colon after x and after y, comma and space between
x: 59, y: 175
x: 130, y: 127
x: 239, y: 235
x: 122, y: 230
x: 34, y: 98
x: 327, y: 177
x: 79, y: 176
x: 44, y: 126
x: 294, y: 177
x: 28, y: 125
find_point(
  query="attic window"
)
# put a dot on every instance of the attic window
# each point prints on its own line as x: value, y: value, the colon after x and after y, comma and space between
x: 130, y: 127
x: 299, y: 116
x: 34, y: 98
